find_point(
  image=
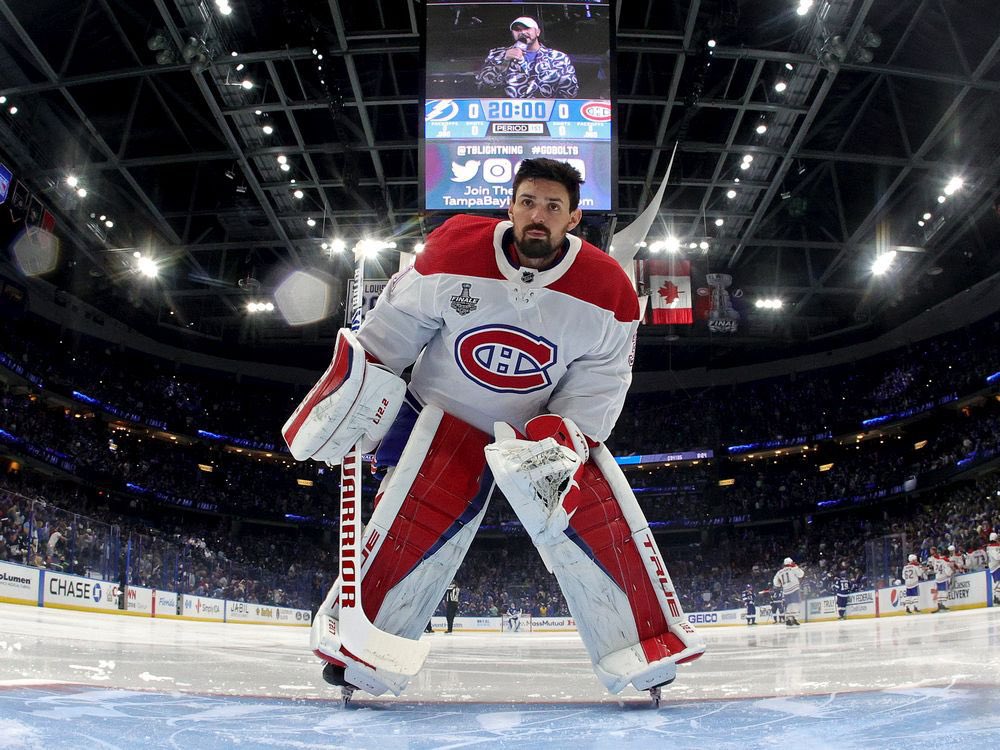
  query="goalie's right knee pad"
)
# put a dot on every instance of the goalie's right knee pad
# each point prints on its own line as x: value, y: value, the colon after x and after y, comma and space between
x: 428, y: 510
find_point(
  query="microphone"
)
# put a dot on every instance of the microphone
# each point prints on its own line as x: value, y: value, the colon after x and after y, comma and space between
x: 521, y: 46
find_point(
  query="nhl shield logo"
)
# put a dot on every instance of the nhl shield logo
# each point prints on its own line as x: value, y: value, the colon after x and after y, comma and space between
x: 464, y: 303
x: 527, y: 276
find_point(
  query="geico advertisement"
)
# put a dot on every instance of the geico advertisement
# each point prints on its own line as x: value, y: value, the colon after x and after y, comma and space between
x: 720, y: 617
x: 18, y: 584
x: 202, y: 608
x: 79, y: 593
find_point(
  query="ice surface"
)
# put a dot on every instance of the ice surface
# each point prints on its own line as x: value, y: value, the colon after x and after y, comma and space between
x: 82, y: 680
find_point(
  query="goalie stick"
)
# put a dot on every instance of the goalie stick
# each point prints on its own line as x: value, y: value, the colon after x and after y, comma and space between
x: 374, y: 648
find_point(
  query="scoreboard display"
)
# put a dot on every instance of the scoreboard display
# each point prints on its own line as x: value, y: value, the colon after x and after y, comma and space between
x: 486, y: 109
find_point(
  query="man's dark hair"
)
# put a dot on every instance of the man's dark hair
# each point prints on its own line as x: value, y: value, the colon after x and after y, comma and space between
x: 550, y: 169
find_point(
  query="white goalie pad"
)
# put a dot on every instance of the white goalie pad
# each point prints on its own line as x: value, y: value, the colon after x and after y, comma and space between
x: 432, y: 502
x: 593, y: 536
x: 354, y: 402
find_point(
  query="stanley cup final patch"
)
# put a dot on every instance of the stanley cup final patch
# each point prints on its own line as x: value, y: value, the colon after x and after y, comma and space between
x: 464, y: 303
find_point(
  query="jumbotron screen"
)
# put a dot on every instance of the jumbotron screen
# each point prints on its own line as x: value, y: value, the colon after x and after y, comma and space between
x: 511, y: 81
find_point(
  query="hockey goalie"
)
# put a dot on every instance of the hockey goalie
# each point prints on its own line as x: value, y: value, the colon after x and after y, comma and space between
x: 521, y: 339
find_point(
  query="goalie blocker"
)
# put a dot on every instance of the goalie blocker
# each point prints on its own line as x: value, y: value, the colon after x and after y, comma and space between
x: 581, y: 514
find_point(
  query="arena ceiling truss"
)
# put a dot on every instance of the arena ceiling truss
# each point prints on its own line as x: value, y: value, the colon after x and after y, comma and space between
x: 142, y: 100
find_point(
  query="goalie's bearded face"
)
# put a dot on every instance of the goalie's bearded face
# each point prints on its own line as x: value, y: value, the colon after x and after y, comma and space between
x: 542, y: 217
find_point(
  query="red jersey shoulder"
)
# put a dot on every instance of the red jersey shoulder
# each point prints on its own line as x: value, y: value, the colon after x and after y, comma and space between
x: 596, y: 277
x: 462, y: 245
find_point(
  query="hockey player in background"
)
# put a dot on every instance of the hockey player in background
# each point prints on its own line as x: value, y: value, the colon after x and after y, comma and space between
x: 777, y: 605
x: 957, y: 559
x: 513, y: 617
x: 522, y: 337
x: 751, y: 605
x: 912, y: 573
x: 842, y: 588
x: 788, y: 578
x: 943, y: 571
x: 993, y: 561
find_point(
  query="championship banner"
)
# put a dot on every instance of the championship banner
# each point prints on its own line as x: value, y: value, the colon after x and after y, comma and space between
x: 668, y: 284
x: 369, y: 296
x: 718, y: 302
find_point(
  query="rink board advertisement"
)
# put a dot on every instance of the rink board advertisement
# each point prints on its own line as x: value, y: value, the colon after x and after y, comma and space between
x: 19, y: 584
x: 165, y: 604
x: 485, y: 111
x: 265, y: 614
x: 859, y: 604
x: 968, y: 591
x: 139, y: 601
x: 202, y: 608
x: 63, y: 591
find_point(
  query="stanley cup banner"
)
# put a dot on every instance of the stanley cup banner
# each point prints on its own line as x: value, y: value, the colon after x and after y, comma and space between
x: 718, y: 302
x: 668, y: 284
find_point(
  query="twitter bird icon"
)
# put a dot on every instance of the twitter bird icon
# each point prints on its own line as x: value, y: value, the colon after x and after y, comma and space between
x: 464, y: 172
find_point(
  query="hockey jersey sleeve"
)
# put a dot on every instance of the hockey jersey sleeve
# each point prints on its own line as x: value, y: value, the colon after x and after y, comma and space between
x: 593, y: 391
x: 402, y: 321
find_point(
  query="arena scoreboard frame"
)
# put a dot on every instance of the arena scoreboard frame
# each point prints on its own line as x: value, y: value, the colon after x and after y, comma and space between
x: 474, y: 135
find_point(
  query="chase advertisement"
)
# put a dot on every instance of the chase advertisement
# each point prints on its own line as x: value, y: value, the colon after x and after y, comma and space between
x: 512, y: 81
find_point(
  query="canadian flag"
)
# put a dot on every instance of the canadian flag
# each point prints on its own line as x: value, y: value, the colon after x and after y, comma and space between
x: 668, y: 284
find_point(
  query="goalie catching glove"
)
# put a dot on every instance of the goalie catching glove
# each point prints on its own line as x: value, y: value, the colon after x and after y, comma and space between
x: 355, y: 402
x: 537, y: 475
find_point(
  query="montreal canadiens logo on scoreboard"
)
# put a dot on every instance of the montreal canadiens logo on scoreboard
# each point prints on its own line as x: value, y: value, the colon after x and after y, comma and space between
x: 505, y: 359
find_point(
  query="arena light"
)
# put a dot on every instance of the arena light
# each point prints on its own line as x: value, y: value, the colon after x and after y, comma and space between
x: 727, y: 482
x: 298, y: 194
x: 769, y: 304
x: 72, y: 180
x: 780, y: 86
x: 804, y: 7
x: 338, y: 245
x: 730, y: 193
x: 825, y: 467
x: 955, y: 183
x: 311, y: 221
x: 147, y: 266
x: 883, y: 262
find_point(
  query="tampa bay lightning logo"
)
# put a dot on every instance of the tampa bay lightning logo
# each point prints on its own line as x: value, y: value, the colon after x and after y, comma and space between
x: 505, y: 359
x: 97, y: 592
x: 440, y: 110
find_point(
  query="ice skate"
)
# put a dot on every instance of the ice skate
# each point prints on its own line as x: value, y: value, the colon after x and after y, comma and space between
x: 333, y: 674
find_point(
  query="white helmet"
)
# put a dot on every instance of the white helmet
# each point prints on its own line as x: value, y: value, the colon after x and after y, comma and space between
x: 789, y: 561
x: 993, y: 536
x: 951, y: 547
x: 913, y: 558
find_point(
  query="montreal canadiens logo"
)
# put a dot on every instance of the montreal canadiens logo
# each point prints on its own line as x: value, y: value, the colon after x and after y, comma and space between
x: 596, y: 111
x: 505, y: 359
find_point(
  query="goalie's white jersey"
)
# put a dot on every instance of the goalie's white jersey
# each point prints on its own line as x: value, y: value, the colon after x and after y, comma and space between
x: 494, y: 342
